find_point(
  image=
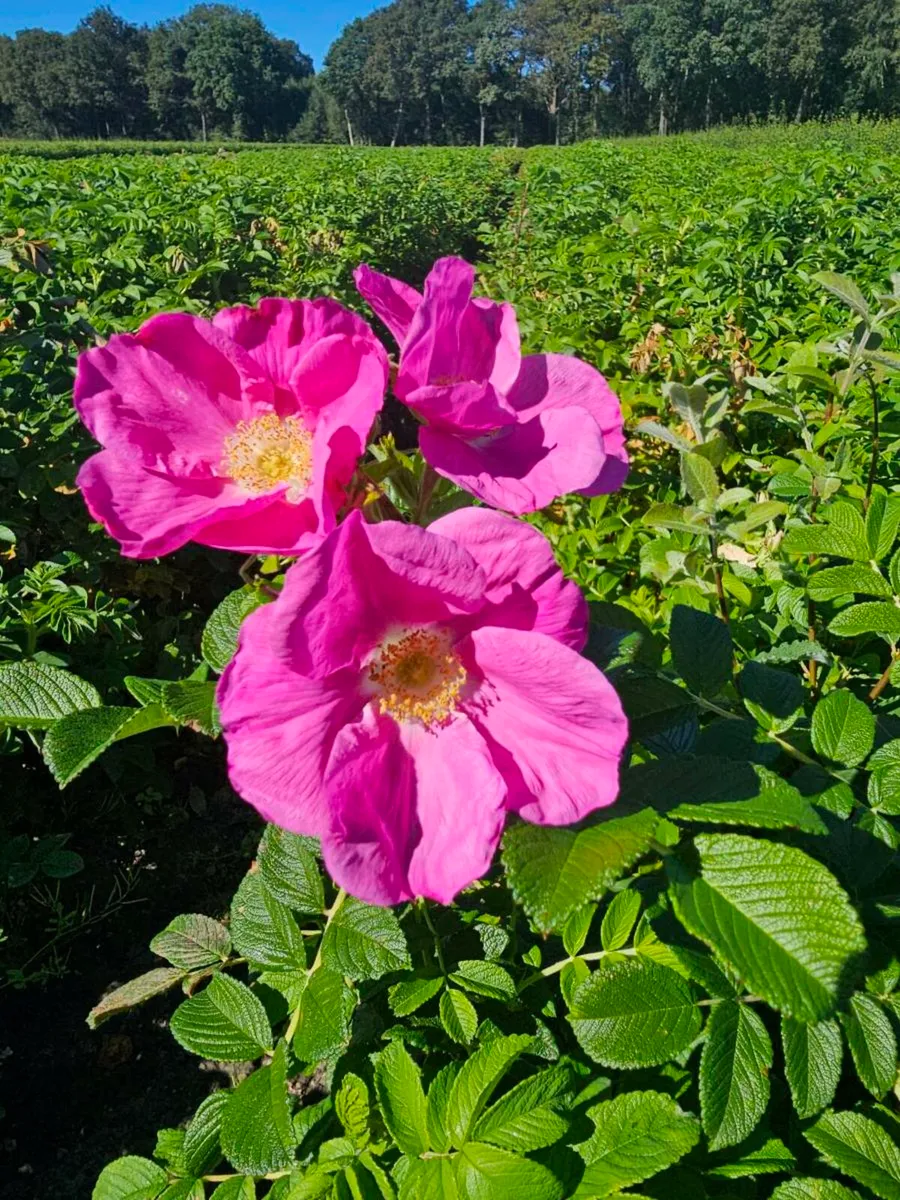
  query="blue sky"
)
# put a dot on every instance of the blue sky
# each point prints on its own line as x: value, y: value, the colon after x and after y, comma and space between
x: 314, y: 26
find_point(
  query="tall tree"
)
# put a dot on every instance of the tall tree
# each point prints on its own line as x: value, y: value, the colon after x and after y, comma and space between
x: 806, y: 45
x: 497, y: 58
x: 109, y: 58
x: 873, y: 58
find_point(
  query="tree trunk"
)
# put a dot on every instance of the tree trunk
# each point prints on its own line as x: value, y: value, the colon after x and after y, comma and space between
x: 663, y: 116
x: 349, y: 127
x: 427, y: 120
x: 708, y: 114
x: 483, y: 117
x: 203, y: 125
x: 397, y: 125
x: 554, y: 112
x: 801, y: 107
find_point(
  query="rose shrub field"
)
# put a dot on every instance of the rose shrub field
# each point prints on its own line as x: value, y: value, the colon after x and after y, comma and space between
x: 450, y: 670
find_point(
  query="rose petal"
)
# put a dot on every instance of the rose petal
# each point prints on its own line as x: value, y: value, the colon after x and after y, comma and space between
x: 393, y: 301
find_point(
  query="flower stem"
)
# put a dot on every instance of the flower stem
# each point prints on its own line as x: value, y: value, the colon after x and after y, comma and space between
x: 439, y: 953
x: 330, y: 914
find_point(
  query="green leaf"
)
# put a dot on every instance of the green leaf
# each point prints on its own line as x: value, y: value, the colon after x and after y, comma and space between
x: 364, y: 942
x: 136, y: 991
x: 458, y: 1016
x: 201, y: 1140
x: 398, y: 1085
x: 843, y: 581
x: 526, y: 1117
x: 812, y: 1060
x: 554, y: 870
x: 289, y: 870
x: 351, y: 1107
x: 734, y: 1074
x: 774, y: 915
x: 326, y: 1009
x: 484, y: 978
x: 75, y: 741
x: 256, y: 1124
x: 225, y: 1022
x: 637, y: 1135
x: 872, y: 1043
x: 130, y: 1178
x: 619, y: 919
x: 477, y: 1078
x: 884, y: 788
x: 409, y: 995
x: 872, y: 616
x: 845, y: 289
x: 33, y: 696
x: 185, y: 1189
x: 192, y: 702
x: 814, y: 1189
x: 219, y: 641
x: 145, y: 691
x: 436, y: 1107
x: 699, y: 478
x: 488, y: 1173
x: 843, y: 728
x: 634, y: 1013
x: 577, y: 927
x: 241, y: 1187
x: 431, y: 1177
x: 767, y: 691
x: 193, y: 941
x: 882, y: 524
x: 701, y: 649
x: 859, y: 1147
x: 264, y: 930
x: 653, y: 705
x: 843, y: 535
x: 761, y: 1154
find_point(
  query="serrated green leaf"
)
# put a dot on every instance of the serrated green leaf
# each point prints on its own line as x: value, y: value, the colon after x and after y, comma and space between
x: 458, y: 1016
x: 326, y: 1009
x: 634, y: 1013
x: 351, y: 1107
x: 526, y: 1118
x: 34, y: 696
x: 488, y: 1173
x: 844, y: 536
x: 843, y: 728
x: 364, y: 942
x: 653, y: 705
x: 241, y: 1187
x: 436, y: 1106
x: 774, y: 915
x: 577, y: 927
x: 637, y: 1135
x: 477, y: 1078
x: 882, y: 524
x: 219, y: 641
x: 225, y: 1022
x: 256, y: 1132
x: 430, y: 1177
x: 812, y: 1059
x: 553, y: 870
x: 813, y: 1189
x: 768, y: 690
x: 185, y: 1189
x: 409, y: 995
x: 398, y: 1085
x: 263, y: 929
x: 192, y: 941
x: 619, y: 919
x: 845, y: 290
x: 136, y: 991
x: 872, y: 1043
x: 130, y: 1178
x: 701, y: 649
x: 859, y: 1147
x: 761, y: 1154
x: 872, y: 616
x: 201, y: 1140
x: 884, y: 789
x: 75, y: 741
x: 484, y: 979
x: 290, y: 871
x: 734, y: 1074
x: 699, y: 477
x: 844, y: 581
x: 192, y: 702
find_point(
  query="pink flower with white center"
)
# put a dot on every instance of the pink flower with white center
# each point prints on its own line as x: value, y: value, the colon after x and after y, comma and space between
x: 515, y: 432
x: 241, y: 432
x: 412, y: 687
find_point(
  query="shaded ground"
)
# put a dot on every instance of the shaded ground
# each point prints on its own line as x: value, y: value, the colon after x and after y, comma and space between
x: 76, y: 1099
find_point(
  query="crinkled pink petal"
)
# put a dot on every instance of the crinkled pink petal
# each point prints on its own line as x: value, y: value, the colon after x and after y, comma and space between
x: 342, y: 380
x: 465, y: 408
x: 276, y: 528
x: 169, y: 395
x: 280, y: 729
x: 415, y: 812
x: 556, y: 720
x: 151, y: 513
x: 551, y: 381
x: 508, y: 351
x: 523, y: 467
x: 344, y: 596
x: 393, y: 301
x: 525, y: 587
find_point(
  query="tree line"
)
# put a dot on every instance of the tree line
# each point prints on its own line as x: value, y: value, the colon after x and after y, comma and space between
x: 450, y: 72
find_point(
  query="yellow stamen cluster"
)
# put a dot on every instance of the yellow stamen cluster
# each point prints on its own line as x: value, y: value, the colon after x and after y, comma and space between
x: 270, y: 452
x: 418, y: 676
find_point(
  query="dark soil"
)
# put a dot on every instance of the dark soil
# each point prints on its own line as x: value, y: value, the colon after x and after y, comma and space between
x: 76, y: 1099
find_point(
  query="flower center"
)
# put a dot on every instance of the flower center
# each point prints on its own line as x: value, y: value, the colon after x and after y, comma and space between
x: 417, y: 676
x: 270, y: 452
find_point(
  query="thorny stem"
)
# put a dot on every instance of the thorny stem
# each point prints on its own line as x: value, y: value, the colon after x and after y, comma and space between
x: 717, y: 572
x: 885, y: 678
x: 330, y: 914
x: 873, y: 465
x: 434, y: 933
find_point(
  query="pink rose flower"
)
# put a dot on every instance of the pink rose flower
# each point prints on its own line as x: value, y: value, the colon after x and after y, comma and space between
x: 515, y: 432
x: 240, y: 432
x: 411, y: 687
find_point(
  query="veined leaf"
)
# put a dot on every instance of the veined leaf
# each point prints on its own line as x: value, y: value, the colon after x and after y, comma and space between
x: 33, y: 696
x: 860, y: 1148
x: 734, y: 1074
x: 812, y: 1057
